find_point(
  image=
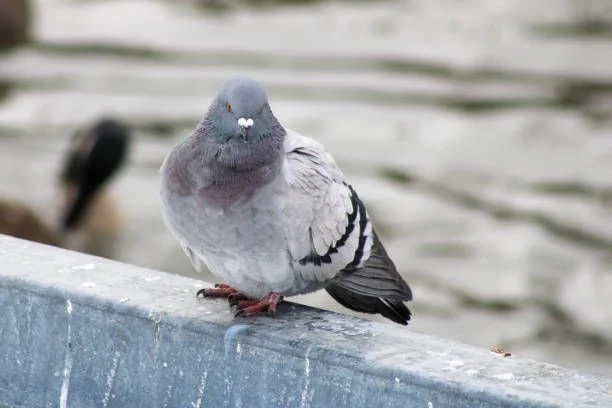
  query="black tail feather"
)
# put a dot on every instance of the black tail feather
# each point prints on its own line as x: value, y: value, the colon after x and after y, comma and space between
x: 375, y: 287
x: 392, y: 309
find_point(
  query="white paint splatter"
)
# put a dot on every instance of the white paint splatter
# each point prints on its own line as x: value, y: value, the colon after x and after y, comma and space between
x: 430, y: 404
x: 397, y: 380
x: 505, y: 376
x: 110, y: 379
x: 230, y: 338
x: 88, y: 285
x: 453, y: 364
x: 168, y: 394
x: 86, y: 267
x: 156, y: 327
x: 231, y: 343
x: 123, y: 300
x: 63, y: 402
x: 441, y: 354
x: 201, y: 386
x: 304, y: 400
x: 456, y: 363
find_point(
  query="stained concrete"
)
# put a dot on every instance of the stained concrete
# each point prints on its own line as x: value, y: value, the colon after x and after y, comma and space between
x: 80, y: 331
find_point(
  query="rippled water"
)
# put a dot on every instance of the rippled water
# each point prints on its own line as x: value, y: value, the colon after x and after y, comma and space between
x: 478, y: 133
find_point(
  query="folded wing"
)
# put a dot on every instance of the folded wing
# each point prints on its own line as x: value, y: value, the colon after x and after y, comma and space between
x: 330, y: 236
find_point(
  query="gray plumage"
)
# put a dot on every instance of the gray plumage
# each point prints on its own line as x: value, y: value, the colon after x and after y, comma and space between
x: 268, y: 210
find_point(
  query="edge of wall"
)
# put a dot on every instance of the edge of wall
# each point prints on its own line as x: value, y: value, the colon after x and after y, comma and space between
x: 81, y: 331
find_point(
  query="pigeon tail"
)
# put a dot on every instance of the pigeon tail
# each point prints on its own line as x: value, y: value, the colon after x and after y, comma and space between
x: 392, y: 309
x: 376, y: 287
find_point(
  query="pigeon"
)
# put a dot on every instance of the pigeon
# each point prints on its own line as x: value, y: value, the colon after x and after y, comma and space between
x: 269, y: 212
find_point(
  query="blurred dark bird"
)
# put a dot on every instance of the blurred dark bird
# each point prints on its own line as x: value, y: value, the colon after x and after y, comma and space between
x: 20, y: 221
x: 95, y: 155
x: 14, y: 23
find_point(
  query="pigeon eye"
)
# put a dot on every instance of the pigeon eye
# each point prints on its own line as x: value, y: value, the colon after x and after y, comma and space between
x: 228, y: 107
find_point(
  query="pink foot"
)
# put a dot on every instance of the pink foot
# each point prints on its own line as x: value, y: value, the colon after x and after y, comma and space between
x: 220, y: 290
x: 252, y: 307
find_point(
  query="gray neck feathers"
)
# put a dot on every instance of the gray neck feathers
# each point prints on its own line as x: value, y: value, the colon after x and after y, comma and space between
x: 232, y: 169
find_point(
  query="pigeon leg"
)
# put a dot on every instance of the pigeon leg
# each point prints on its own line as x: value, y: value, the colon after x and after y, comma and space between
x: 252, y: 307
x: 220, y: 290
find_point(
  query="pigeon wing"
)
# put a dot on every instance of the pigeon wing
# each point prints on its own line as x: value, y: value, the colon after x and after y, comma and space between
x: 326, y: 231
x: 330, y: 236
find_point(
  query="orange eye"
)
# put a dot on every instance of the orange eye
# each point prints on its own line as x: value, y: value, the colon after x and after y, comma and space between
x: 228, y: 107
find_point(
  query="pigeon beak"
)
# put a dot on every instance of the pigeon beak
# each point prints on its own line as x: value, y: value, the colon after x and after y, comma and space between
x: 245, y: 125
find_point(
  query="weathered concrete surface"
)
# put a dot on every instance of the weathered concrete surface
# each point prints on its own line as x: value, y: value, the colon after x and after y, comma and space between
x: 80, y: 331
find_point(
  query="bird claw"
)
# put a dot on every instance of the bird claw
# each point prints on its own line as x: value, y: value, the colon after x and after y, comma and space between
x: 220, y: 290
x: 239, y: 303
x: 236, y: 298
x: 252, y: 307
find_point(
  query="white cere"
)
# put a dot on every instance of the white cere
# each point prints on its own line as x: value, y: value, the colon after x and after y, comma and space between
x: 246, y: 123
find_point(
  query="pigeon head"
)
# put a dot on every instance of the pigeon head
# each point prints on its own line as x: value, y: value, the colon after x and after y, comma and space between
x: 241, y: 111
x: 240, y: 132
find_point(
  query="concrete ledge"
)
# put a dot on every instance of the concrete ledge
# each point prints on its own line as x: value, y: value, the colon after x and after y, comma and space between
x: 79, y: 331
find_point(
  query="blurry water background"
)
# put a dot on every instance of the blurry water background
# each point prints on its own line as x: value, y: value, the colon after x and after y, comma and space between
x: 479, y: 134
